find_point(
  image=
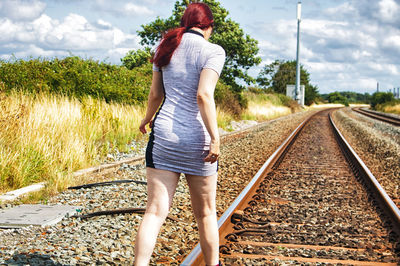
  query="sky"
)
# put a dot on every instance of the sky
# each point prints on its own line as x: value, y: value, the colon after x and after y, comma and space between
x: 345, y: 45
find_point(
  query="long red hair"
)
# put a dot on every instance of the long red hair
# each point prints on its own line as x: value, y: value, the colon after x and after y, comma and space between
x: 196, y: 15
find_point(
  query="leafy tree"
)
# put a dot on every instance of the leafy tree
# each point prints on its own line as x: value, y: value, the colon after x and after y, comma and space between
x: 241, y: 50
x: 381, y: 98
x: 278, y: 74
x: 136, y: 58
x: 264, y: 78
x: 311, y: 94
x: 337, y: 97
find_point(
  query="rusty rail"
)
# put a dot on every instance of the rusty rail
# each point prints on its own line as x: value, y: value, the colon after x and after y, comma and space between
x: 195, y: 257
x: 369, y: 179
x: 381, y: 116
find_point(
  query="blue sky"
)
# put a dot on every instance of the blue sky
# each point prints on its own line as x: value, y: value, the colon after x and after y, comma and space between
x: 345, y: 45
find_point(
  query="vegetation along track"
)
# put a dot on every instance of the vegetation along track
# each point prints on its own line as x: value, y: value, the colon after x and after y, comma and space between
x: 310, y: 207
x: 379, y: 116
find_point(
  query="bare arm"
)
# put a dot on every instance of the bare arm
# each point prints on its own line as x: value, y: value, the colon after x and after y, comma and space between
x: 156, y: 96
x: 206, y: 103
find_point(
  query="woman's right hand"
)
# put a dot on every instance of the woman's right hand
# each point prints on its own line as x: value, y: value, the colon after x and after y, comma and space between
x: 213, y: 154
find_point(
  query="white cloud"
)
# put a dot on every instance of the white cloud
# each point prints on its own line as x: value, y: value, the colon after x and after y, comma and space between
x: 21, y: 9
x: 346, y: 47
x: 344, y: 9
x: 132, y: 9
x: 121, y: 8
x: 49, y: 37
x: 388, y: 10
x: 392, y: 42
x: 103, y: 24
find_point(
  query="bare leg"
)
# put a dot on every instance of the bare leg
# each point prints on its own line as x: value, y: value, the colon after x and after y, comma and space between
x: 202, y: 194
x: 161, y: 185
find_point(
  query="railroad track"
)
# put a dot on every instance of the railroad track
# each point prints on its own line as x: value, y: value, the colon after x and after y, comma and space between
x: 309, y: 203
x: 379, y: 116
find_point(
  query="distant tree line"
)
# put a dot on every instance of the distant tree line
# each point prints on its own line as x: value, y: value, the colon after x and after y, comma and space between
x: 348, y: 97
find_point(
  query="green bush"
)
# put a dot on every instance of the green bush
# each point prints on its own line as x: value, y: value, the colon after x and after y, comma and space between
x: 336, y: 97
x: 380, y: 98
x: 136, y: 58
x: 227, y: 100
x: 77, y: 77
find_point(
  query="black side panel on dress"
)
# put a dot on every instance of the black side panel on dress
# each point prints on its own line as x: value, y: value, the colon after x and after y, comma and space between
x: 150, y: 144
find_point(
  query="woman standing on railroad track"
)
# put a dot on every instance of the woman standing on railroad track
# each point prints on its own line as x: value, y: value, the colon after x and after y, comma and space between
x: 184, y: 137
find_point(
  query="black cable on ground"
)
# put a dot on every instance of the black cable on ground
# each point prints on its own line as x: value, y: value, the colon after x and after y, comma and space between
x: 118, y: 211
x: 108, y: 183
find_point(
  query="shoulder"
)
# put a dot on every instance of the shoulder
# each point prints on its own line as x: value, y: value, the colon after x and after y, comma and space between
x: 215, y: 49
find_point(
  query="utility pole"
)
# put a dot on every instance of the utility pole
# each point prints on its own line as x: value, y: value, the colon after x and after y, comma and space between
x: 297, y: 89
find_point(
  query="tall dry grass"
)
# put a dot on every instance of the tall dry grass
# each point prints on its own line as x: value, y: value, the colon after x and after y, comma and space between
x: 47, y: 137
x: 263, y: 107
x: 395, y: 109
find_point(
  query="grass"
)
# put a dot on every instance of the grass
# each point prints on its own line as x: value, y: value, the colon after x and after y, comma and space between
x: 395, y: 109
x: 224, y: 119
x: 48, y: 137
x: 263, y: 107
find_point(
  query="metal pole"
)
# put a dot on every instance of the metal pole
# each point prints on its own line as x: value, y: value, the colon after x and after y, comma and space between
x: 297, y: 89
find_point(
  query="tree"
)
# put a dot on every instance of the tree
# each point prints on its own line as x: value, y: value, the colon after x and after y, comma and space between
x: 381, y: 98
x: 278, y: 74
x: 311, y: 94
x: 241, y: 50
x: 264, y: 78
x: 136, y: 58
x: 337, y: 97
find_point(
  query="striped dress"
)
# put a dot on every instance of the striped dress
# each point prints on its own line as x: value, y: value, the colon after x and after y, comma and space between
x: 179, y: 140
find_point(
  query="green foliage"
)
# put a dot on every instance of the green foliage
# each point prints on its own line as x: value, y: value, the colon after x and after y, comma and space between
x: 226, y: 99
x: 136, y: 58
x: 240, y: 48
x: 352, y: 97
x: 380, y: 98
x: 336, y: 97
x: 73, y: 76
x: 275, y: 76
x: 311, y: 94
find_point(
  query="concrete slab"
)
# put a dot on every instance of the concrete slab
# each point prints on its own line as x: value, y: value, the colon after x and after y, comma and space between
x: 12, y: 195
x: 35, y: 214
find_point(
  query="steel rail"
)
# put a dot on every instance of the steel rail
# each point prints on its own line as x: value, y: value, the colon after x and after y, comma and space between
x: 381, y: 117
x: 369, y: 179
x: 195, y: 257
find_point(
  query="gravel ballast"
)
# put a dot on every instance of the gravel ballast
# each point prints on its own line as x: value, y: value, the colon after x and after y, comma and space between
x: 378, y: 145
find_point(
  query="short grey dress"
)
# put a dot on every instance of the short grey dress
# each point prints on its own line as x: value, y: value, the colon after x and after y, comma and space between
x: 179, y: 140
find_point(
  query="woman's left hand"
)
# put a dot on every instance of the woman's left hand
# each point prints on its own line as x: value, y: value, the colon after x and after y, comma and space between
x: 143, y: 124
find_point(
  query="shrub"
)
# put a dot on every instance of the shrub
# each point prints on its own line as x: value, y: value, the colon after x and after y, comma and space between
x: 136, y: 58
x: 226, y: 100
x: 73, y: 76
x: 379, y: 98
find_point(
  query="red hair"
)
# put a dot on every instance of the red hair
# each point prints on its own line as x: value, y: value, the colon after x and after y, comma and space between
x: 196, y: 15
